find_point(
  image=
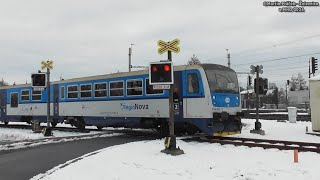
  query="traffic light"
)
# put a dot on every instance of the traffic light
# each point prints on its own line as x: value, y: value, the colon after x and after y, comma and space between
x: 263, y: 85
x: 161, y: 73
x: 38, y: 80
x: 314, y: 63
x: 250, y: 81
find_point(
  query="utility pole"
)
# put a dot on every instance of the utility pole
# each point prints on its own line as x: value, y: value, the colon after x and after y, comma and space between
x: 287, y: 84
x: 47, y: 65
x: 309, y: 69
x: 228, y: 56
x: 130, y: 52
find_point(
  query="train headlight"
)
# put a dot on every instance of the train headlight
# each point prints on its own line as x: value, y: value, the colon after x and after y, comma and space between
x: 214, y: 97
x: 237, y: 97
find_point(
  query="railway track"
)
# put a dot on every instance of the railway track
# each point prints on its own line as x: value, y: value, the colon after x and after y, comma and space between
x: 132, y: 132
x: 67, y: 129
x: 279, y: 117
x: 263, y: 143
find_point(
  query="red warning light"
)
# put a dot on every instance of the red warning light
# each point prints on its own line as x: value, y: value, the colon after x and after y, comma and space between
x: 166, y: 68
x: 154, y: 69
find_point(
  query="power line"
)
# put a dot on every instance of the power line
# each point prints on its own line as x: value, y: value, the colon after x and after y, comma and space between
x: 278, y: 59
x: 279, y: 44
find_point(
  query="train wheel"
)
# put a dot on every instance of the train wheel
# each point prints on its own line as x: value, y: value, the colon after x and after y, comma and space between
x: 100, y: 128
x: 6, y: 123
x: 54, y: 124
x: 191, y: 130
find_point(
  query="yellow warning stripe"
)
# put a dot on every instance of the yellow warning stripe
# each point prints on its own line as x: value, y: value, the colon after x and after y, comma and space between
x: 226, y: 133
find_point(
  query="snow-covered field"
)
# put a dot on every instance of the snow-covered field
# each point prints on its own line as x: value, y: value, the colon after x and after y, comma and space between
x: 143, y: 160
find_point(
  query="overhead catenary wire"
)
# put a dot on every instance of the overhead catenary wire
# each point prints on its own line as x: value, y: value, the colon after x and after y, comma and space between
x: 278, y: 59
x: 249, y: 51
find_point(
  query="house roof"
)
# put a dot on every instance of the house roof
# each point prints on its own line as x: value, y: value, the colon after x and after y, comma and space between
x: 315, y: 78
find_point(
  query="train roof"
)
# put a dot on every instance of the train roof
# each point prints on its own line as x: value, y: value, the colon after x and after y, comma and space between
x: 124, y: 74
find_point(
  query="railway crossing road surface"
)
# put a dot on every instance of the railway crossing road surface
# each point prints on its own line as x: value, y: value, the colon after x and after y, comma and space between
x: 23, y: 164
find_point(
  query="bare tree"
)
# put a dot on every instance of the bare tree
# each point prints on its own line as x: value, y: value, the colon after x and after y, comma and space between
x: 194, y: 60
x: 282, y: 96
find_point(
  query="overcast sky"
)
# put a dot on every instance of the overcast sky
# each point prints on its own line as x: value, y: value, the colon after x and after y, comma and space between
x: 92, y: 37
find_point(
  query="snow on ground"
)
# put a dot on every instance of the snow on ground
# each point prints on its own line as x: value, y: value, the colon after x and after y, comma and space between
x: 11, y: 138
x: 279, y: 130
x: 11, y: 134
x: 143, y: 160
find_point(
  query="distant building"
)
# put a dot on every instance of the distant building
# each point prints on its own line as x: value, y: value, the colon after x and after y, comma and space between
x: 272, y: 85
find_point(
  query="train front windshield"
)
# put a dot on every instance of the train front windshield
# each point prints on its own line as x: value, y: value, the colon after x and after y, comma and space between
x: 222, y: 81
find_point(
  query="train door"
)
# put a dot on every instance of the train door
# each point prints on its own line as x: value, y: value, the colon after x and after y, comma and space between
x: 3, y: 104
x: 193, y: 92
x: 178, y: 96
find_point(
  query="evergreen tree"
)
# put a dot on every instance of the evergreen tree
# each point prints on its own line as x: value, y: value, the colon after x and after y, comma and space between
x: 282, y: 96
x: 298, y: 83
x: 194, y: 60
x: 3, y: 83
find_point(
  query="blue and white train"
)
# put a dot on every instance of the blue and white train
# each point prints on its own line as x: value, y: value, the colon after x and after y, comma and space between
x: 206, y: 99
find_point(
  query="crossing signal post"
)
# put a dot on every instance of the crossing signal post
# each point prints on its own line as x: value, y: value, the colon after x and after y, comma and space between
x: 47, y: 65
x: 162, y: 73
x: 257, y: 125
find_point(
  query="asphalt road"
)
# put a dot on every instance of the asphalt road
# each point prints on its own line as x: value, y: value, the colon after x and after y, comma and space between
x: 23, y: 164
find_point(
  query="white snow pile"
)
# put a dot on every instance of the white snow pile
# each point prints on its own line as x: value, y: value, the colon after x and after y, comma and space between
x: 143, y: 160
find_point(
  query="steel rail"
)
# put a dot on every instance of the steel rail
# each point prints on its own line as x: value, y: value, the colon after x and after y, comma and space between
x: 263, y: 143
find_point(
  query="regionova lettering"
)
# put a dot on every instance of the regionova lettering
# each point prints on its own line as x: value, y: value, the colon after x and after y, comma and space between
x: 130, y: 107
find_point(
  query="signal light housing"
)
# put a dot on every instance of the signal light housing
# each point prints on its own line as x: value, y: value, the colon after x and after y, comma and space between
x: 161, y: 73
x: 314, y: 64
x: 263, y: 85
x: 38, y: 80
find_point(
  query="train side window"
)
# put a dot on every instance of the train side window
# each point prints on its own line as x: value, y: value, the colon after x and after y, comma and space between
x: 14, y: 100
x: 85, y: 91
x: 36, y: 95
x: 116, y: 88
x: 100, y: 90
x: 72, y: 92
x: 150, y: 90
x: 25, y: 95
x: 62, y: 92
x: 193, y: 83
x: 134, y: 87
